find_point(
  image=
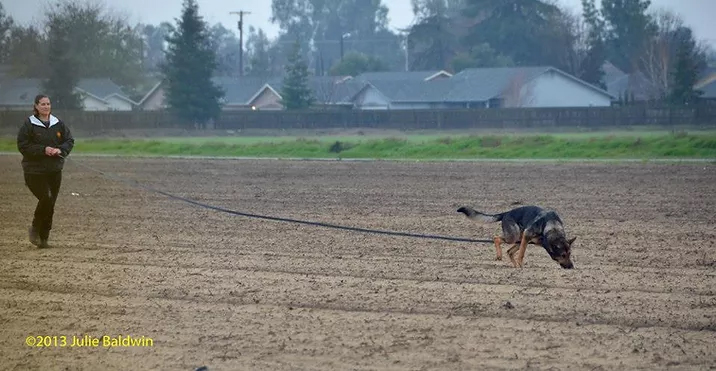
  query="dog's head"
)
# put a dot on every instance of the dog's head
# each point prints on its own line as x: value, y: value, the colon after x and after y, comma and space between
x: 560, y: 250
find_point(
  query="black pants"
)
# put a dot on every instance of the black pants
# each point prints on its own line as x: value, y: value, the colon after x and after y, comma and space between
x: 45, y: 187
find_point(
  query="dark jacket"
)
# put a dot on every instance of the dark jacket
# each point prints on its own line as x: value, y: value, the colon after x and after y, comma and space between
x: 32, y: 139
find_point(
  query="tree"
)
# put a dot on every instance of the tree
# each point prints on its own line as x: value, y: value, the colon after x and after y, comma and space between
x: 433, y: 39
x: 319, y: 25
x: 628, y: 27
x: 104, y: 44
x: 258, y: 52
x: 480, y: 56
x: 190, y: 64
x: 355, y: 63
x: 687, y: 68
x: 591, y: 66
x: 226, y: 47
x: 27, y: 52
x: 6, y: 25
x: 63, y: 71
x: 519, y: 29
x: 296, y: 93
x: 154, y: 45
x: 670, y: 45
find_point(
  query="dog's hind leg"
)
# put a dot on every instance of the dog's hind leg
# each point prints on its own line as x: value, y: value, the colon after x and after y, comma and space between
x: 498, y: 247
x: 511, y: 253
x: 522, y: 250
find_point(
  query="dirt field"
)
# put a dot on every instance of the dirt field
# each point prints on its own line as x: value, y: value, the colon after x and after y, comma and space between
x: 232, y: 293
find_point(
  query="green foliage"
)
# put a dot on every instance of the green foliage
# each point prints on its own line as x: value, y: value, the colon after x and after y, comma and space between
x: 258, y: 47
x: 355, y: 63
x: 63, y: 71
x: 226, y: 47
x: 104, y: 45
x: 591, y: 69
x: 296, y: 94
x: 190, y: 64
x: 432, y: 43
x: 628, y: 27
x: 323, y: 22
x: 688, y: 66
x: 27, y: 52
x: 480, y: 56
x: 519, y: 29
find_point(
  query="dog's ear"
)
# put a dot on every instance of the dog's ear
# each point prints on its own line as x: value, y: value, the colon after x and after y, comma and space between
x: 570, y: 242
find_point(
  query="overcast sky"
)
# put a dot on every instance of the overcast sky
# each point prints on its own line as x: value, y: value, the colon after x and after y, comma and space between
x: 699, y: 14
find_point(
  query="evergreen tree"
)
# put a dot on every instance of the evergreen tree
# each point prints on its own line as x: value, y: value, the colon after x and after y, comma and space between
x: 689, y: 64
x: 591, y: 69
x: 63, y: 72
x: 190, y: 64
x: 295, y: 93
x: 628, y: 27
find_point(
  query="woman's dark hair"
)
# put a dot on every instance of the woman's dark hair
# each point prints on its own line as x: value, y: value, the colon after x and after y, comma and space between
x: 37, y: 100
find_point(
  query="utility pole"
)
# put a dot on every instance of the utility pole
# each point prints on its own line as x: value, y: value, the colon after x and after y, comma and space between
x: 343, y: 36
x: 241, y: 39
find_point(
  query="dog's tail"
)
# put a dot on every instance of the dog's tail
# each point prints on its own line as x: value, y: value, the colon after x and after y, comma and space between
x: 474, y: 214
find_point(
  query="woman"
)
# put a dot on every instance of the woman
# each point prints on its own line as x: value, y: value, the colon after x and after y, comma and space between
x: 44, y: 142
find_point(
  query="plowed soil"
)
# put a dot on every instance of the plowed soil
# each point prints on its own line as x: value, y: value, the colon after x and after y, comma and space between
x: 238, y: 293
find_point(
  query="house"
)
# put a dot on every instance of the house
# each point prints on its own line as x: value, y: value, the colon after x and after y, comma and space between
x: 533, y: 87
x: 397, y: 90
x: 264, y: 93
x: 153, y: 100
x: 404, y: 76
x: 328, y: 91
x: 97, y: 94
x: 101, y: 94
x: 634, y: 86
x: 471, y: 88
x: 707, y: 85
x: 484, y: 87
x: 240, y: 93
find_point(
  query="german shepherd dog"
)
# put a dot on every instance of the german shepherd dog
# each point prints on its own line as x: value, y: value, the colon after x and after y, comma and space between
x: 528, y: 225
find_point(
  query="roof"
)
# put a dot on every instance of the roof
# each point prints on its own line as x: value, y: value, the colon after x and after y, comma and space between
x: 611, y: 72
x: 401, y: 75
x: 5, y: 69
x: 492, y: 81
x: 100, y: 87
x: 707, y: 73
x: 240, y: 90
x: 709, y: 90
x: 21, y: 91
x: 326, y: 89
x: 635, y: 83
x: 470, y: 85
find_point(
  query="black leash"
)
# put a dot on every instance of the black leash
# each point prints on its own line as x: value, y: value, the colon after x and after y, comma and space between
x: 289, y: 220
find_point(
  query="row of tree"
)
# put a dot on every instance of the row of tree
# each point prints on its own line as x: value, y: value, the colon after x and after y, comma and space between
x: 82, y: 39
x: 457, y: 34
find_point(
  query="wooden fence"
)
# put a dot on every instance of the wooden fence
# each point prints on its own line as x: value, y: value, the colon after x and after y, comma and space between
x: 515, y: 118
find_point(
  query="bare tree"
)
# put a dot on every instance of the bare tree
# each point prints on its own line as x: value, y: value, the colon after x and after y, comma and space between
x: 659, y: 53
x: 570, y: 35
x: 324, y: 90
x: 518, y: 93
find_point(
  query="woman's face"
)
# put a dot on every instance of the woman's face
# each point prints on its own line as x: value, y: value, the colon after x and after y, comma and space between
x: 43, y: 106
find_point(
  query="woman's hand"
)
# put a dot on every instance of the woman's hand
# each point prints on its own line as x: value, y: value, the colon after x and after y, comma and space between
x: 51, y: 151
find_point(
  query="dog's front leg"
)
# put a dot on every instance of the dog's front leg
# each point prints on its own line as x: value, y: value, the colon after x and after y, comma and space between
x: 498, y: 247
